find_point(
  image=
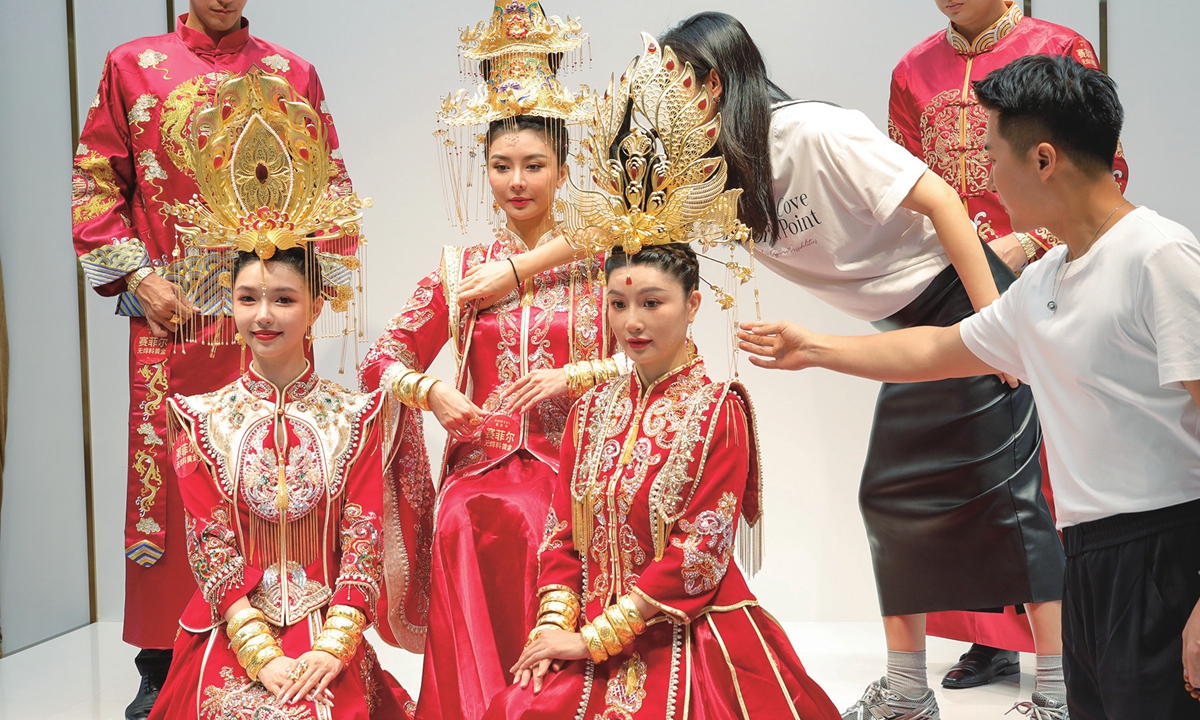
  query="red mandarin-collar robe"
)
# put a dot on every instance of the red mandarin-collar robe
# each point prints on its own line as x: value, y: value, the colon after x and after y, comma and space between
x: 555, y: 318
x: 652, y: 485
x: 935, y: 114
x: 130, y: 164
x: 338, y: 541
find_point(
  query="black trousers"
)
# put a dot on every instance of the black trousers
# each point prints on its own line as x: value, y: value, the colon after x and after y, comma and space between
x: 1131, y: 583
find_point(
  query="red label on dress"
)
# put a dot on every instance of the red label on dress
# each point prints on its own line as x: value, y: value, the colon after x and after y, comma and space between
x: 501, y: 434
x: 185, y: 457
x: 150, y: 350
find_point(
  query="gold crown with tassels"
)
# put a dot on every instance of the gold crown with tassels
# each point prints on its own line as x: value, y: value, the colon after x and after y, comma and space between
x: 515, y: 55
x: 656, y: 182
x: 261, y: 159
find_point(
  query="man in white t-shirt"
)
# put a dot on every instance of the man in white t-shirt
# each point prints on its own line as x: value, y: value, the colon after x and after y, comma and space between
x: 1106, y: 331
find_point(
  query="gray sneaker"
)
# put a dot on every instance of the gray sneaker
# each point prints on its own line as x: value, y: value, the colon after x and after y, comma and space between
x: 880, y: 703
x: 1042, y: 708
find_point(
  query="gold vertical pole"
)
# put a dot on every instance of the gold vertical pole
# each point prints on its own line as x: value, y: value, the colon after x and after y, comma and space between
x: 85, y: 384
x: 1104, y: 35
x: 1029, y: 8
x: 170, y: 16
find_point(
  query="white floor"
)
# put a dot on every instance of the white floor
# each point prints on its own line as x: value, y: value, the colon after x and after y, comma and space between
x: 88, y: 674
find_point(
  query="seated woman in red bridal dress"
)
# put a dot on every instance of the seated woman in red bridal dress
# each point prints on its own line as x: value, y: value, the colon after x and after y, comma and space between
x: 519, y: 365
x: 281, y: 471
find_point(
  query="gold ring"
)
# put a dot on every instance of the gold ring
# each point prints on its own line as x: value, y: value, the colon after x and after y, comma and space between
x: 298, y: 671
x: 476, y: 420
x: 175, y: 319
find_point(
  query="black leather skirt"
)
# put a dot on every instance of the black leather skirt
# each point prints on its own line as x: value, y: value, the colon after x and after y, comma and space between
x: 951, y: 491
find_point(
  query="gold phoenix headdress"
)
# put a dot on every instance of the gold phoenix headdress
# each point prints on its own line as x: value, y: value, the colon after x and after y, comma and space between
x: 515, y: 55
x: 657, y: 182
x: 261, y: 160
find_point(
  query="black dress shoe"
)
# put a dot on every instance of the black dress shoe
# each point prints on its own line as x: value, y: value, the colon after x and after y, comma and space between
x: 153, y: 665
x: 980, y: 665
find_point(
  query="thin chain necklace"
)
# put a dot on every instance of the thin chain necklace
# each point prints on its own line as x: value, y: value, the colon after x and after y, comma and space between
x: 1058, y: 274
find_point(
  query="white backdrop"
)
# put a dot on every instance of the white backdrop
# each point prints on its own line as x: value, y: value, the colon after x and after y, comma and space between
x: 384, y: 65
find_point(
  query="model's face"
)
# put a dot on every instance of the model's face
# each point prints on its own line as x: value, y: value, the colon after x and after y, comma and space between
x: 524, y: 174
x: 217, y: 16
x: 649, y: 314
x: 975, y: 14
x: 271, y: 311
x: 1015, y: 177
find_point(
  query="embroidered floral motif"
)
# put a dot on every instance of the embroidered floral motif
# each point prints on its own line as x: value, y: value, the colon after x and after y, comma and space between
x: 151, y: 169
x: 626, y: 691
x: 362, y: 561
x: 95, y: 102
x: 242, y: 699
x: 278, y: 63
x: 553, y: 528
x: 213, y: 554
x: 175, y: 120
x: 149, y: 436
x: 150, y: 59
x: 324, y: 108
x: 260, y: 472
x: 366, y: 670
x: 93, y: 186
x: 708, y: 546
x: 148, y: 525
x: 140, y: 112
x: 953, y: 133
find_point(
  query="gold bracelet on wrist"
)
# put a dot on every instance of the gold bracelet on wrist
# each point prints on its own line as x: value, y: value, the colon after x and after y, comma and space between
x: 558, y: 621
x: 422, y: 393
x: 560, y: 608
x: 406, y: 387
x: 131, y: 285
x: 619, y: 624
x: 595, y: 645
x: 251, y: 629
x: 252, y: 647
x: 239, y: 620
x: 608, y: 636
x: 632, y: 615
x: 339, y: 651
x: 261, y: 660
x: 349, y: 612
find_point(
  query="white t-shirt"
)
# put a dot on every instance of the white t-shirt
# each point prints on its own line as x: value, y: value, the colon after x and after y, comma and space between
x: 1107, y: 366
x: 839, y: 183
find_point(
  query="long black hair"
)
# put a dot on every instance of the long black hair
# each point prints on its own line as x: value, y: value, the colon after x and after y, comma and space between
x: 716, y: 41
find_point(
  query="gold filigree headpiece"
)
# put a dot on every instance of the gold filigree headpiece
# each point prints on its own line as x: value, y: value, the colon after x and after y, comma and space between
x: 261, y: 159
x: 656, y: 182
x: 515, y: 55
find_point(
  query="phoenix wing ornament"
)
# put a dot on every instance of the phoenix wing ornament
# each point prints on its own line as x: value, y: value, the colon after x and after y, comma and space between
x: 649, y: 150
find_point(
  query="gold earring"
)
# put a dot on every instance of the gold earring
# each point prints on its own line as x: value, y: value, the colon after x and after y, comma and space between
x: 692, y: 350
x: 237, y: 338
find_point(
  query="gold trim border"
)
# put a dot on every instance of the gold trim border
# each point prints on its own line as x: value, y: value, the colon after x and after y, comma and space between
x: 85, y: 382
x: 1104, y: 35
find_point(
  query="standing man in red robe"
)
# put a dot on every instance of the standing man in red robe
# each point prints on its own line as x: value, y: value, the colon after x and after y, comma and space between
x: 130, y: 163
x: 930, y: 115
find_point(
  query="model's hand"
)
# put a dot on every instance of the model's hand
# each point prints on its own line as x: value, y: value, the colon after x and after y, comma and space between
x: 533, y: 388
x: 546, y: 653
x: 454, y: 411
x: 1009, y: 249
x: 487, y: 283
x: 320, y: 669
x: 1191, y: 648
x: 778, y: 345
x: 273, y: 675
x: 164, y: 303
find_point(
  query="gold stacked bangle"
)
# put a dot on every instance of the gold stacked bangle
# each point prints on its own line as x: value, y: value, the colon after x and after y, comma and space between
x: 586, y: 374
x: 252, y: 641
x: 342, y: 633
x: 136, y: 278
x: 412, y: 389
x: 559, y: 609
x: 614, y: 629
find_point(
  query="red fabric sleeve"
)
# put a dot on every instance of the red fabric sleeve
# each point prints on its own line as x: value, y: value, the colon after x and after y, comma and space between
x: 903, y: 124
x: 360, y: 576
x: 220, y: 570
x: 413, y: 337
x: 701, y: 544
x: 559, y: 563
x: 103, y: 183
